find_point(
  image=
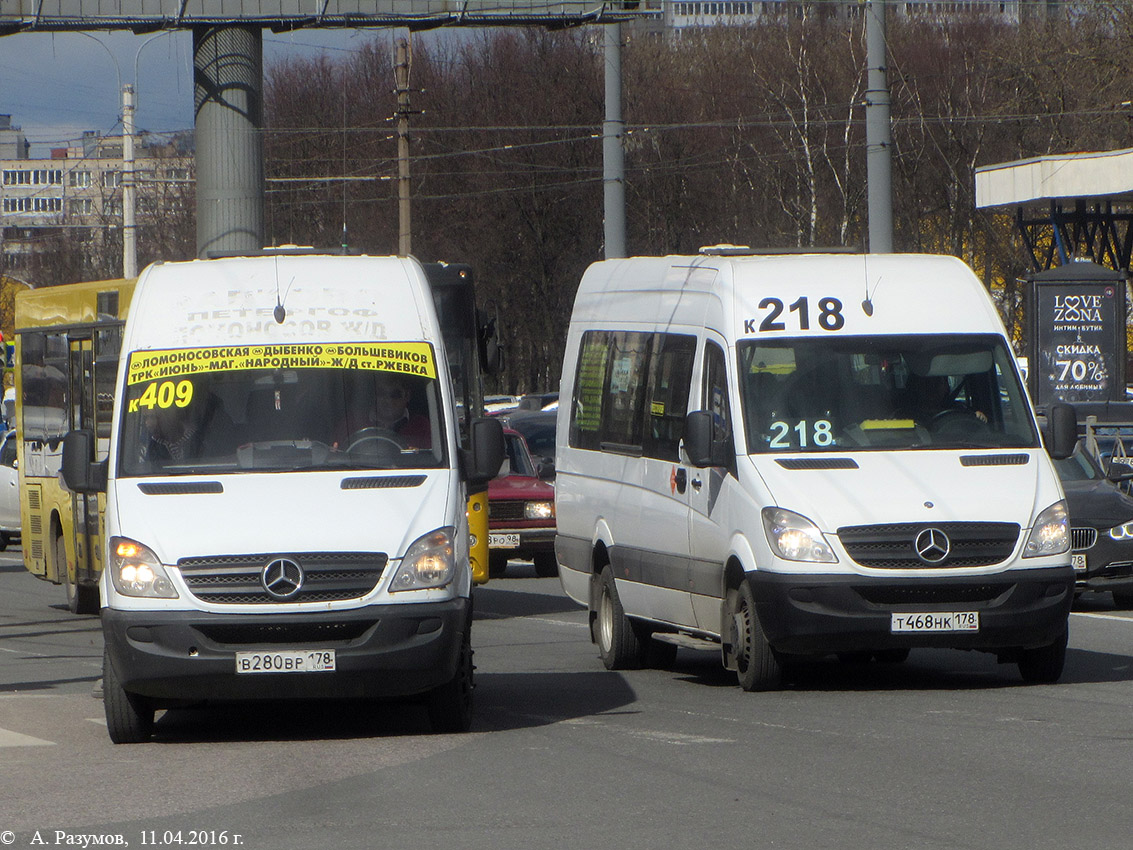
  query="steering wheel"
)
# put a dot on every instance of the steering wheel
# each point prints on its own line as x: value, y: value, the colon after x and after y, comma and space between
x: 956, y: 420
x: 373, y: 435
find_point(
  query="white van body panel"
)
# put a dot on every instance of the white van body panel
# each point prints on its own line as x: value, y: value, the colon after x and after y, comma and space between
x: 674, y: 547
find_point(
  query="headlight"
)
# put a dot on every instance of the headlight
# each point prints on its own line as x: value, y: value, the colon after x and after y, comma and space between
x: 539, y: 510
x: 795, y: 537
x: 1050, y: 534
x: 1122, y: 532
x: 430, y: 561
x: 136, y: 571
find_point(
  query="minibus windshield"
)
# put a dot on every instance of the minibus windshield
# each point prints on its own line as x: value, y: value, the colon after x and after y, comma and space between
x: 240, y: 410
x: 882, y: 393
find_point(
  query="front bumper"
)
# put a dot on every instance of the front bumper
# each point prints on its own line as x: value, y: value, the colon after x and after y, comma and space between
x: 381, y: 651
x: 808, y: 615
x: 1109, y: 565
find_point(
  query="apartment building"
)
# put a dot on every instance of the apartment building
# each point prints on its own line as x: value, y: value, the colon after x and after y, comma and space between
x: 676, y: 15
x: 78, y: 189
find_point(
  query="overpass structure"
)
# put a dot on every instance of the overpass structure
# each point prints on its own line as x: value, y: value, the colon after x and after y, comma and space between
x: 1071, y: 206
x: 228, y: 71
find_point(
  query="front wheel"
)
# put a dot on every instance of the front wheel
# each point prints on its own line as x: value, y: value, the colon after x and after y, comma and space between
x: 617, y: 641
x: 129, y: 717
x: 1043, y: 665
x: 545, y: 564
x: 450, y: 705
x: 757, y: 668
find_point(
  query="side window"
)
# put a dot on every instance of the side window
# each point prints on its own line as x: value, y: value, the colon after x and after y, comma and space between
x: 8, y: 452
x: 107, y: 344
x: 716, y: 391
x: 670, y: 377
x: 589, y: 391
x: 609, y: 392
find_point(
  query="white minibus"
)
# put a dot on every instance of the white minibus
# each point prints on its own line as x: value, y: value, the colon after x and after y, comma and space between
x: 284, y: 490
x: 797, y: 455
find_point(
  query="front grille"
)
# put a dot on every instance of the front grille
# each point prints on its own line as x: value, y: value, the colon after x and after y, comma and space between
x: 294, y: 634
x: 973, y: 544
x: 327, y: 577
x: 1083, y: 538
x: 506, y: 510
x: 930, y: 594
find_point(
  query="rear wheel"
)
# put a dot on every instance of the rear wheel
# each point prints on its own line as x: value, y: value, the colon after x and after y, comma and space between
x: 81, y: 599
x: 1043, y: 666
x: 450, y: 705
x: 757, y: 669
x: 617, y: 641
x: 129, y: 717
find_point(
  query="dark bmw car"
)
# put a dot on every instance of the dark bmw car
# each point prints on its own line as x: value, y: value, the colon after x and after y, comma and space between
x: 1101, y: 526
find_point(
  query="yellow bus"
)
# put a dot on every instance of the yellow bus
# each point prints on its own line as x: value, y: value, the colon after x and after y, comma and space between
x: 67, y: 342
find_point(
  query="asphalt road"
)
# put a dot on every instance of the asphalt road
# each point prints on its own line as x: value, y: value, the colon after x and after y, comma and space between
x: 948, y: 750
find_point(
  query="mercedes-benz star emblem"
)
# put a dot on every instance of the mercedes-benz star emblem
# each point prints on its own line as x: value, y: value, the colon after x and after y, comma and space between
x: 282, y: 578
x: 932, y: 545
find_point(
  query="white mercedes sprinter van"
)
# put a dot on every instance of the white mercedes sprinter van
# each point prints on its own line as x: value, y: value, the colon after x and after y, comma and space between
x: 799, y: 455
x: 285, y: 491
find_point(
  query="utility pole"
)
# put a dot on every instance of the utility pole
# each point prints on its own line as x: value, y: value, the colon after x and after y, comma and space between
x: 405, y: 228
x: 879, y: 143
x: 129, y: 190
x: 613, y: 152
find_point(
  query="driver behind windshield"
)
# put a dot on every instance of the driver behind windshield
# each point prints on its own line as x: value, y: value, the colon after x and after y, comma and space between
x: 381, y: 408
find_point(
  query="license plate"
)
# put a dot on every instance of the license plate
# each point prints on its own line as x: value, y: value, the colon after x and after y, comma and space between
x: 286, y: 661
x: 952, y: 621
x: 503, y: 541
x: 1079, y: 561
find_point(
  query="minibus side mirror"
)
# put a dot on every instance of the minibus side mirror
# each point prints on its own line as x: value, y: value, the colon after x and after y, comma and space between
x: 81, y: 473
x: 701, y: 449
x: 486, y: 453
x: 1062, y: 430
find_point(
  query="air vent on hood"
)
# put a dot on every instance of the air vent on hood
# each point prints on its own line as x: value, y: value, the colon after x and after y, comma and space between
x: 817, y: 463
x: 994, y: 460
x: 382, y: 483
x: 181, y: 488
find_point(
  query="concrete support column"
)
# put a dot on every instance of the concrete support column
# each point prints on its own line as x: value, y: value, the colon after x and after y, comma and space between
x: 613, y: 153
x: 228, y: 96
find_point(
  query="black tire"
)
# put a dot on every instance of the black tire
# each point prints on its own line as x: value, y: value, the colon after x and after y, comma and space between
x: 653, y: 654
x: 545, y: 564
x: 5, y: 539
x: 497, y: 564
x: 757, y: 668
x: 618, y: 644
x: 81, y: 598
x: 1123, y: 601
x: 450, y: 705
x: 129, y: 717
x: 1043, y: 665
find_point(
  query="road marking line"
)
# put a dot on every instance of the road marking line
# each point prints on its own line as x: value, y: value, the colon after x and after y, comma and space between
x: 1117, y: 617
x: 8, y: 738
